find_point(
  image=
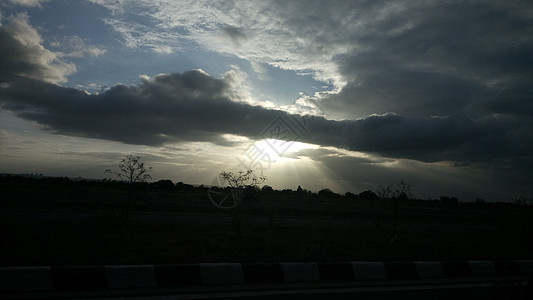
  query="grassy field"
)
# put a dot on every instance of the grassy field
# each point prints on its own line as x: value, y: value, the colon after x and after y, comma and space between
x: 272, y: 231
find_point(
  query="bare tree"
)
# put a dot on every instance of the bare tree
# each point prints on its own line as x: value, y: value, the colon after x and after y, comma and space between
x: 394, y: 197
x: 242, y: 178
x: 131, y: 170
x: 239, y: 182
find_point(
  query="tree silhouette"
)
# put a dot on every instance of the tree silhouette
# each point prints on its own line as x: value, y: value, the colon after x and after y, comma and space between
x: 239, y: 182
x: 395, y: 197
x: 267, y: 189
x: 327, y: 194
x: 131, y: 170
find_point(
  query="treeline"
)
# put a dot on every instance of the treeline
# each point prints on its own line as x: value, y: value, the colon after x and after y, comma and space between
x: 25, y: 181
x: 20, y: 181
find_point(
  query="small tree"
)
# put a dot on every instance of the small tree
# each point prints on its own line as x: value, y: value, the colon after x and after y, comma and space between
x: 242, y: 179
x: 132, y: 171
x: 238, y: 183
x: 395, y: 197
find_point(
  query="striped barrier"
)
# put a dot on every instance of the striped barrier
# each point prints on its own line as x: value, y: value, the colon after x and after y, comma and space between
x: 86, y: 278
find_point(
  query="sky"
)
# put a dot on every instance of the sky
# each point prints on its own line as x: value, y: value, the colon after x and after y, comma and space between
x: 346, y: 95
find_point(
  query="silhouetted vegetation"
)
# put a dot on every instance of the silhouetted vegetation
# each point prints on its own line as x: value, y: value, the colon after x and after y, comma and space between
x: 394, y: 197
x: 43, y: 187
x: 328, y: 194
x: 59, y: 220
x: 242, y: 186
x: 449, y: 200
x: 163, y: 185
x: 366, y: 195
x: 267, y: 189
x: 131, y: 170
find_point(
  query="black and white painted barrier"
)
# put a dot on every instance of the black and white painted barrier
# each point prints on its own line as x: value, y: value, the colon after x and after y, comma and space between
x: 83, y: 278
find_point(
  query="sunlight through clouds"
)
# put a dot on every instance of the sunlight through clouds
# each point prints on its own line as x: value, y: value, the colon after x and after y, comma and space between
x: 344, y: 95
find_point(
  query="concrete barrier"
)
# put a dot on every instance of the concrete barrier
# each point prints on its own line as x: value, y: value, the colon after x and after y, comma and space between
x: 255, y: 273
x: 400, y: 270
x: 336, y: 272
x: 130, y: 276
x: 429, y: 269
x: 184, y: 275
x: 75, y: 278
x: 525, y: 267
x: 507, y: 268
x: 369, y: 270
x: 482, y: 268
x: 457, y: 269
x: 300, y: 272
x: 222, y: 273
x: 95, y: 278
x: 25, y: 279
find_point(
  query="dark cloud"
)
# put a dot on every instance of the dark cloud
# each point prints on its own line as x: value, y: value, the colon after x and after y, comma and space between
x: 439, y: 58
x: 427, y: 139
x: 193, y: 106
x: 22, y: 54
x: 455, y: 75
x: 168, y: 108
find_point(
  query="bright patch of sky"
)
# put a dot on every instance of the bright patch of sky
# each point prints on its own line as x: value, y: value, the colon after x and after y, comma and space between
x: 83, y: 31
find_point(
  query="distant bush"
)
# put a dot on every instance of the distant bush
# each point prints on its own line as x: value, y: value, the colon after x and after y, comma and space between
x: 350, y: 195
x: 449, y: 200
x: 368, y: 195
x: 327, y: 193
x: 183, y: 187
x: 267, y: 189
x: 164, y: 185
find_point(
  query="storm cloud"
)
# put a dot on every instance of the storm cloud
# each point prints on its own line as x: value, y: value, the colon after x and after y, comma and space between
x: 440, y: 58
x: 194, y: 106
